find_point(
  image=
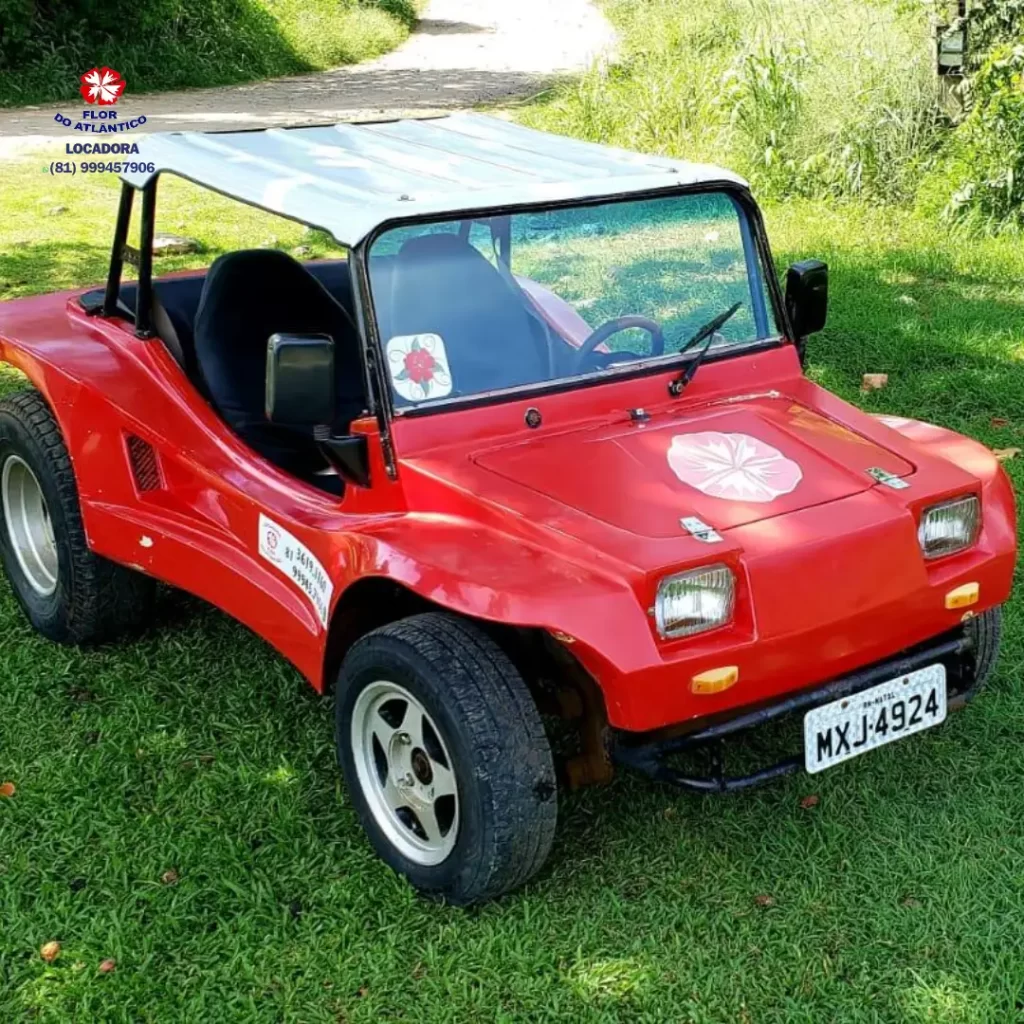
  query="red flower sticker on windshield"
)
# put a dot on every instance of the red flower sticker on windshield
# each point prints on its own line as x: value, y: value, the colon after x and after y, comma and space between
x: 102, y: 85
x: 736, y: 467
x: 418, y: 365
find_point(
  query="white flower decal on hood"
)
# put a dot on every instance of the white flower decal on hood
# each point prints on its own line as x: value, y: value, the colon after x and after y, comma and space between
x: 736, y: 467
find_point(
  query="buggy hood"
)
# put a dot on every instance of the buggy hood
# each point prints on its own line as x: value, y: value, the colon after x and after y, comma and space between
x: 727, y: 465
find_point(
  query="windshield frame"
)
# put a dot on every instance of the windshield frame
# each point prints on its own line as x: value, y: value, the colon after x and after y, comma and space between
x: 755, y: 243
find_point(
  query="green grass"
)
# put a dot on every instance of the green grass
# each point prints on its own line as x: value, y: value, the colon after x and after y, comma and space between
x: 56, y: 231
x: 899, y: 897
x: 177, y: 44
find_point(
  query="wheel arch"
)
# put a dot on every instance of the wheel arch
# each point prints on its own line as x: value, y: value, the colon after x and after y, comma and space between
x: 364, y: 605
x: 57, y: 390
x: 374, y: 601
x: 557, y: 680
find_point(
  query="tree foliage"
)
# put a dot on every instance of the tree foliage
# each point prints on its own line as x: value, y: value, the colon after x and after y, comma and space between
x: 988, y: 147
x: 994, y: 23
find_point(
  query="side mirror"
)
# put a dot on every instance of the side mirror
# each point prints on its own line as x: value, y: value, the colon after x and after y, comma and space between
x: 300, y: 379
x: 300, y: 393
x: 807, y: 298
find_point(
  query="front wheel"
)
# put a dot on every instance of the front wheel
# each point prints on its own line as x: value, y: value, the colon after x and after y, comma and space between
x: 445, y: 758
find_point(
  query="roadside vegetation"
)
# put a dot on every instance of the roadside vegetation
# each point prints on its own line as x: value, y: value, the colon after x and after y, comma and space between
x: 176, y: 807
x: 175, y: 44
x: 812, y: 98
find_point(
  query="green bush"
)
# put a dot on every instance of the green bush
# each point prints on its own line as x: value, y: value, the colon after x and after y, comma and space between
x: 992, y: 24
x: 804, y: 97
x: 983, y: 177
x: 166, y: 44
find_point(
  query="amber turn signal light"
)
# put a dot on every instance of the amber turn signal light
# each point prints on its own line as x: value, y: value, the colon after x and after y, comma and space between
x: 715, y: 680
x: 963, y: 596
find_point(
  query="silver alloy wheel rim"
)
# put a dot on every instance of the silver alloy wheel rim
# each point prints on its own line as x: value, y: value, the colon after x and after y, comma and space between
x: 28, y: 525
x: 405, y: 772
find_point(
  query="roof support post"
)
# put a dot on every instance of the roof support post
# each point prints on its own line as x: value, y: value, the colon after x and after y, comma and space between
x: 377, y: 388
x: 124, y: 216
x: 144, y: 300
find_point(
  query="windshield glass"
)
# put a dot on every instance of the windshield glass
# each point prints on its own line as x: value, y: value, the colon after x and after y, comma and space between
x: 470, y: 307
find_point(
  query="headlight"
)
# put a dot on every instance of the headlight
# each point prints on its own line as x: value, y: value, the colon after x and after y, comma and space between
x: 951, y: 526
x: 694, y: 601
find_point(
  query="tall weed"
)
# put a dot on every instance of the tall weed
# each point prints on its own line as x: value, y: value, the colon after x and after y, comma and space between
x: 806, y: 97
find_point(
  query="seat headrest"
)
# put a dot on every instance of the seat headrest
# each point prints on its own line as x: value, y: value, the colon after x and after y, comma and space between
x: 438, y: 246
x: 252, y: 267
x: 266, y: 291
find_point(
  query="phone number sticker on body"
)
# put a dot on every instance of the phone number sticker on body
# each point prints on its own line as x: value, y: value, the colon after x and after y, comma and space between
x: 298, y: 563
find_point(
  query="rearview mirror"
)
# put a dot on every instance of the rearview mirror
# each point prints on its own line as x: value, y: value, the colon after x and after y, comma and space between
x: 807, y: 297
x: 300, y: 379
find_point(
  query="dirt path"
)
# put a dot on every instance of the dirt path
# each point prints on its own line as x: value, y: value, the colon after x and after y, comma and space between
x: 463, y: 53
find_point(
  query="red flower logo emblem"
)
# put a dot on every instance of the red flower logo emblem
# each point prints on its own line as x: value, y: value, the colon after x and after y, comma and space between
x: 102, y: 85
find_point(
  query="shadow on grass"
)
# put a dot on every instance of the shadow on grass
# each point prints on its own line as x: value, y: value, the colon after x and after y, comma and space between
x: 51, y: 266
x: 56, y: 266
x: 404, y: 10
x: 952, y: 344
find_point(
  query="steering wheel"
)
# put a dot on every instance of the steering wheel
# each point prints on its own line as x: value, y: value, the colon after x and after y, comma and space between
x: 614, y: 326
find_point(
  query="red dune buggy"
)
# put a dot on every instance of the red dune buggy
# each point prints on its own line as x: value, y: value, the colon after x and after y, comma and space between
x: 540, y: 444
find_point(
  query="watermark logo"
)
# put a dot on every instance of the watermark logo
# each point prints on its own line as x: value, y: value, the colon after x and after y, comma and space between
x: 102, y: 85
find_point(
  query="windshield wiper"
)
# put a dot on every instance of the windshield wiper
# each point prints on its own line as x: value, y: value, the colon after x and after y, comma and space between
x: 707, y: 332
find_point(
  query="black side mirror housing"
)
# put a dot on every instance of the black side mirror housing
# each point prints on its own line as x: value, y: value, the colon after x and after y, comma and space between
x: 806, y: 298
x: 300, y: 379
x: 300, y: 393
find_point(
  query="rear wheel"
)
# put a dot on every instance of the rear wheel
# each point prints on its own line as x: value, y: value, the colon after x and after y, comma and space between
x: 69, y: 594
x: 445, y: 758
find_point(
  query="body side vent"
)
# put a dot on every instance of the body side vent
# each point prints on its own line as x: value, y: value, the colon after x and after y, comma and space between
x: 143, y: 461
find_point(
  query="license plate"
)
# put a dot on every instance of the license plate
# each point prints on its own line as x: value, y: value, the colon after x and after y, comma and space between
x: 863, y: 721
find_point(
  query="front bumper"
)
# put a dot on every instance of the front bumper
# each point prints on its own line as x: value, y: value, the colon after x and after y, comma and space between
x: 648, y: 753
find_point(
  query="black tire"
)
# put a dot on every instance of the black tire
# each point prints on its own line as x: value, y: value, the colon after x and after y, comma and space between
x: 986, y: 632
x: 94, y: 599
x: 501, y: 758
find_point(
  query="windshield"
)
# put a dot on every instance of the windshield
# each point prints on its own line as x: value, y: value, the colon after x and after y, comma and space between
x: 470, y: 307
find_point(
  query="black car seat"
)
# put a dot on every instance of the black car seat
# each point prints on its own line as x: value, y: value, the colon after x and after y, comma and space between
x: 249, y: 295
x: 443, y: 285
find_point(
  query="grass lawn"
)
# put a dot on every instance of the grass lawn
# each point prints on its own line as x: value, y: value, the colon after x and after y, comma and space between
x: 195, y: 750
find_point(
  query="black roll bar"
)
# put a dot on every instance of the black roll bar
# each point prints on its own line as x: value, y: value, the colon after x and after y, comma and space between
x: 124, y: 216
x: 144, y: 300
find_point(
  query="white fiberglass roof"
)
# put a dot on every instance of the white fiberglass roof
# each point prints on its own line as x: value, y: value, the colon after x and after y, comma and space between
x: 349, y: 178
